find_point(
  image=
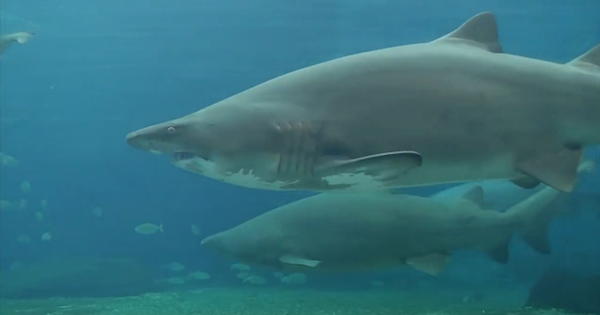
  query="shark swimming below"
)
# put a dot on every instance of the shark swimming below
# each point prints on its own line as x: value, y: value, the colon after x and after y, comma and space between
x: 368, y: 231
x: 456, y: 109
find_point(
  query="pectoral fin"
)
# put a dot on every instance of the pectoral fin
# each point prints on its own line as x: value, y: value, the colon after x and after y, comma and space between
x: 295, y: 260
x: 399, y: 162
x: 431, y: 264
x: 557, y: 170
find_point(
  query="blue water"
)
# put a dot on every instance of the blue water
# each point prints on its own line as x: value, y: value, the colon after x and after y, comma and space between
x: 97, y: 70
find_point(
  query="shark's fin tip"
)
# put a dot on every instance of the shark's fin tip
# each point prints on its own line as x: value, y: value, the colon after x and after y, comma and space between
x: 475, y: 195
x: 590, y: 60
x: 479, y: 31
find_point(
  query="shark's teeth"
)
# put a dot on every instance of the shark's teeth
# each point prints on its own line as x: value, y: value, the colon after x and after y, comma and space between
x: 178, y: 156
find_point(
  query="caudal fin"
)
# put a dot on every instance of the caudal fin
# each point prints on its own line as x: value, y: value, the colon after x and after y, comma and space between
x: 534, y: 214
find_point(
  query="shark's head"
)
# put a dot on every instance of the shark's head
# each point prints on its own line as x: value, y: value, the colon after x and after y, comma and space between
x: 234, y: 146
x: 241, y: 246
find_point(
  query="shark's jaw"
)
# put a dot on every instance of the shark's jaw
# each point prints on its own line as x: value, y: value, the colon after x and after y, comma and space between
x: 223, y: 171
x: 182, y: 156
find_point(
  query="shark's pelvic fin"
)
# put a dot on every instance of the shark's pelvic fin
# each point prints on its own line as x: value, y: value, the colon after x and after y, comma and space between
x: 480, y: 31
x: 557, y: 169
x: 526, y: 182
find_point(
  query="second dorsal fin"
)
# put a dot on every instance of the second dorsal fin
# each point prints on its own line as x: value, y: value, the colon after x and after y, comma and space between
x: 590, y: 60
x: 475, y: 195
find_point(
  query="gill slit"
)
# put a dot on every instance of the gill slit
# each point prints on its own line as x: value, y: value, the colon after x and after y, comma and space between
x: 297, y: 154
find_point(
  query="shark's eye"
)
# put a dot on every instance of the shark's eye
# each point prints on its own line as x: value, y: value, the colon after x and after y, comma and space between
x: 171, y: 129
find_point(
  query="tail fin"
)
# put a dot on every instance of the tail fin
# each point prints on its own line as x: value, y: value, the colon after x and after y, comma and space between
x: 534, y: 214
x: 160, y: 228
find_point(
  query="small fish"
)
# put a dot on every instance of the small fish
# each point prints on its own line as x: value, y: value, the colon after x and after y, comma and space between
x: 174, y: 266
x: 44, y: 204
x: 39, y: 216
x: 240, y: 267
x: 7, y: 160
x: 46, y: 237
x: 199, y: 275
x: 175, y: 280
x: 25, y: 187
x: 195, y: 230
x: 148, y: 228
x: 255, y: 280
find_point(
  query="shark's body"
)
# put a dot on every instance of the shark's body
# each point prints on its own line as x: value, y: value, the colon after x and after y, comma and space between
x: 451, y: 110
x: 363, y: 231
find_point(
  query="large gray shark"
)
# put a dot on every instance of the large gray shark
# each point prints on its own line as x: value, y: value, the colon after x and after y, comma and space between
x: 365, y: 231
x: 20, y: 37
x: 456, y: 109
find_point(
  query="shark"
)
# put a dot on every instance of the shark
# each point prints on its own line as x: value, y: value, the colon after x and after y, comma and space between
x: 453, y: 110
x: 364, y: 231
x: 501, y: 194
x: 20, y: 37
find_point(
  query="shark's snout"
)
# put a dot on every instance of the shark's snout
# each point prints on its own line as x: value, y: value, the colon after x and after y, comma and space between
x: 154, y: 139
x: 210, y: 242
x: 138, y: 140
x: 134, y: 140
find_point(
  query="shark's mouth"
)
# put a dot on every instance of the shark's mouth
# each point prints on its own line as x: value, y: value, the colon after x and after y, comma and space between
x: 182, y: 156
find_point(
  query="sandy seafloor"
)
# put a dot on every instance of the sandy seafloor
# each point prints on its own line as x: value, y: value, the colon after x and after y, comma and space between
x: 277, y: 301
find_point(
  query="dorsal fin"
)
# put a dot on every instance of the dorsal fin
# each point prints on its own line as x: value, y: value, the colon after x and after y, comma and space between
x: 479, y: 31
x: 474, y: 195
x: 589, y: 61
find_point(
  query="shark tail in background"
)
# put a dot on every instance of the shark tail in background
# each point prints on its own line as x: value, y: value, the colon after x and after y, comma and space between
x: 534, y: 214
